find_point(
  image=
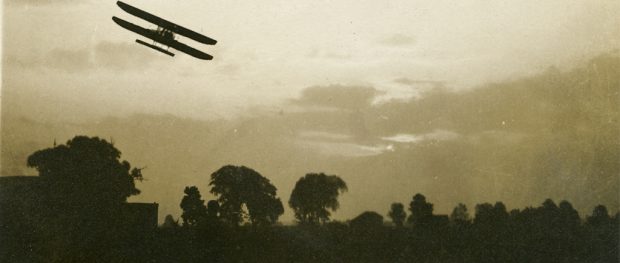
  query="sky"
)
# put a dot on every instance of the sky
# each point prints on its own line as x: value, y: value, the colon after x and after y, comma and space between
x: 464, y: 101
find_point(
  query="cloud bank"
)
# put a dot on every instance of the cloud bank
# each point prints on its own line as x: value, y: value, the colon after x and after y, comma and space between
x: 552, y: 135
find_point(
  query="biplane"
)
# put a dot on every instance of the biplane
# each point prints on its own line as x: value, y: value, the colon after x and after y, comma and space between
x: 164, y: 34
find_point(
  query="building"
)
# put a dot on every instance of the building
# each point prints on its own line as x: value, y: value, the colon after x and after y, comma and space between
x: 26, y: 200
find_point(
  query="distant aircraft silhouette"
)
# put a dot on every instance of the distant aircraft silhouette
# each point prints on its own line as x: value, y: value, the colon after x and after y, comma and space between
x: 164, y: 34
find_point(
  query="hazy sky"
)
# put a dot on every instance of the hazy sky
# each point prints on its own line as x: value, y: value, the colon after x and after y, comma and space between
x: 354, y: 88
x: 270, y: 50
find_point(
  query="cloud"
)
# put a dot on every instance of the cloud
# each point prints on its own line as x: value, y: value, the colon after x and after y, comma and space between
x: 551, y: 135
x: 549, y: 101
x: 228, y: 69
x: 343, y: 149
x: 69, y: 60
x: 438, y: 135
x: 104, y: 55
x: 338, y: 55
x: 316, y: 53
x: 398, y: 40
x: 122, y: 56
x: 36, y: 3
x: 323, y: 135
x: 409, y: 82
x: 338, y: 96
x: 21, y: 62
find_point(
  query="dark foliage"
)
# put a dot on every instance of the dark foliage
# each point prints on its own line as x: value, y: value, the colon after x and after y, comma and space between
x: 421, y: 211
x: 75, y: 205
x: 524, y: 236
x: 460, y: 215
x: 66, y: 229
x: 367, y: 220
x: 194, y: 209
x: 238, y: 186
x: 397, y: 214
x: 315, y: 194
x: 87, y: 169
x: 169, y: 222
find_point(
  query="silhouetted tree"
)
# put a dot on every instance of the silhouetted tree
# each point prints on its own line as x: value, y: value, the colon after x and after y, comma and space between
x: 265, y: 209
x: 569, y: 216
x: 194, y: 209
x: 236, y: 186
x: 549, y: 205
x: 314, y: 194
x: 460, y: 215
x: 421, y: 211
x: 600, y: 216
x: 86, y: 184
x: 368, y: 219
x: 488, y: 214
x: 550, y: 215
x: 213, y: 213
x: 397, y: 214
x: 87, y: 170
x: 169, y: 222
x: 213, y: 208
x: 484, y: 213
x: 500, y: 211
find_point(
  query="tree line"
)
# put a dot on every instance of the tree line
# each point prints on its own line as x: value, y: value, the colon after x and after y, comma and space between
x: 88, y: 181
x: 239, y: 187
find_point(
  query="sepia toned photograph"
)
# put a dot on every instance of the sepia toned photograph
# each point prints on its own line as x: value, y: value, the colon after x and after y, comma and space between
x: 310, y: 131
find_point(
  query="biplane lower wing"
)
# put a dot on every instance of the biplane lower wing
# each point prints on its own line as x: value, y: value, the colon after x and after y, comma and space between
x: 157, y: 38
x: 166, y: 24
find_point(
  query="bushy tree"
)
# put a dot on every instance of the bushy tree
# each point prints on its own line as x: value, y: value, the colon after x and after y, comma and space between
x: 421, y: 211
x: 84, y: 186
x: 213, y: 208
x: 87, y: 170
x: 460, y: 215
x: 194, y: 209
x: 238, y: 186
x: 315, y: 194
x: 169, y: 222
x: 487, y: 214
x: 367, y: 220
x: 569, y: 216
x: 397, y: 214
x: 600, y: 216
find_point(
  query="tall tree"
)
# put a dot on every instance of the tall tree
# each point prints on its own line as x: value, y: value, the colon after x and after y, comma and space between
x: 194, y: 209
x: 484, y: 214
x: 213, y: 213
x: 314, y: 194
x: 213, y: 208
x: 397, y: 214
x: 492, y: 215
x: 86, y: 184
x: 238, y: 186
x: 569, y: 216
x: 87, y: 170
x: 600, y: 216
x: 421, y: 211
x: 460, y: 215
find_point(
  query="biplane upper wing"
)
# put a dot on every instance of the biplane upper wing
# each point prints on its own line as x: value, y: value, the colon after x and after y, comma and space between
x: 166, y: 24
x: 166, y: 41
